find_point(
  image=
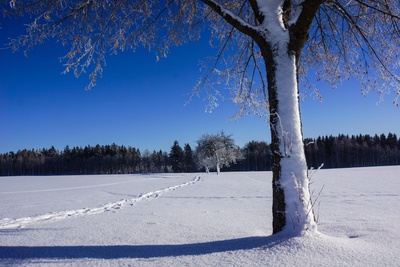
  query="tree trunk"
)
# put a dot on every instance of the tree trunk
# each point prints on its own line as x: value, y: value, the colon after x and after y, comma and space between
x: 292, y: 207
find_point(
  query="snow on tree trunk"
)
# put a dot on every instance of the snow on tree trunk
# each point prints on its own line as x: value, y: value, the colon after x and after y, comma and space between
x: 217, y: 163
x: 281, y: 35
x: 292, y: 207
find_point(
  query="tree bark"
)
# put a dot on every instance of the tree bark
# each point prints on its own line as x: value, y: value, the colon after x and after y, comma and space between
x: 292, y: 207
x: 218, y: 168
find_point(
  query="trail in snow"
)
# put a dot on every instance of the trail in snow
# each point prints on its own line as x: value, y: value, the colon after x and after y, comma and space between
x: 8, y: 223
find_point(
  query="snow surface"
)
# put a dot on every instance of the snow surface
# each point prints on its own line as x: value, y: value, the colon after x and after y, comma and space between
x: 195, y: 220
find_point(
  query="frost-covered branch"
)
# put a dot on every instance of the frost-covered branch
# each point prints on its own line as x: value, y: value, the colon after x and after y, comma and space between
x: 351, y: 21
x: 94, y: 28
x: 299, y: 29
x: 359, y: 39
x: 232, y: 19
x: 259, y: 17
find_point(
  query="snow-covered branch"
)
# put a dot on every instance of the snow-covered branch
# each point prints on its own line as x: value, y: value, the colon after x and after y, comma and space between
x: 231, y: 18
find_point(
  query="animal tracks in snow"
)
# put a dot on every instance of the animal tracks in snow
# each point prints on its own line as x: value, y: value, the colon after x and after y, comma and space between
x: 8, y: 223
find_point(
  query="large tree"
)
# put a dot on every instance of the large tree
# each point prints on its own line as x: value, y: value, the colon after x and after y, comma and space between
x: 265, y: 47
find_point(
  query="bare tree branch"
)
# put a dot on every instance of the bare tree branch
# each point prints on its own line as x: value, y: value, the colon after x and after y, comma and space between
x: 259, y: 17
x: 232, y: 19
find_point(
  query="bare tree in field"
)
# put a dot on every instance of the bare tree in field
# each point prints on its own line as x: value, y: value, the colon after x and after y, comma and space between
x: 217, y: 150
x: 265, y: 49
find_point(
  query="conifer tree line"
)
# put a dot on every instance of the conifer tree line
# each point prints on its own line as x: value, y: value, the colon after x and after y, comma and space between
x: 345, y: 151
x: 340, y: 151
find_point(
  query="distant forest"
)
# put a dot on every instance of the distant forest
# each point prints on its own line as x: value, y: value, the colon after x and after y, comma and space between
x: 333, y: 151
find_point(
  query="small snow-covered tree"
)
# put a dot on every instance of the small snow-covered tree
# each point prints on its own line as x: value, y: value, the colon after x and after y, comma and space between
x: 217, y: 150
x: 265, y: 48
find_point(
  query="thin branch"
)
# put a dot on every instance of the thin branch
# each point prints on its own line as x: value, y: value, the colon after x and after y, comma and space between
x: 232, y: 19
x: 385, y: 12
x: 371, y: 48
x: 299, y: 30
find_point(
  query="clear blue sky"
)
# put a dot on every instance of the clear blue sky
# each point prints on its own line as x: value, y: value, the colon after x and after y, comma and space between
x: 141, y: 103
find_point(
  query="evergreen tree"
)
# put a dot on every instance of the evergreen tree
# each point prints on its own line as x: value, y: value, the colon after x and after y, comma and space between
x: 189, y: 160
x: 176, y: 157
x: 258, y: 156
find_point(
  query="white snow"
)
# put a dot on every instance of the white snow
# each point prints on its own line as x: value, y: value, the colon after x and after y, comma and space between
x: 195, y: 220
x: 293, y: 175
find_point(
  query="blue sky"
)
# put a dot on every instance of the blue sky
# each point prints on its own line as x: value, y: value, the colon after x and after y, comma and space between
x: 141, y: 103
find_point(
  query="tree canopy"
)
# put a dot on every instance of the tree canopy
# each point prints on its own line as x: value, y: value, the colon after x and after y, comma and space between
x: 345, y: 39
x: 217, y: 151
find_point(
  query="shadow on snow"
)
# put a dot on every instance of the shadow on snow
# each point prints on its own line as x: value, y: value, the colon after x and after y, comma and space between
x: 136, y: 251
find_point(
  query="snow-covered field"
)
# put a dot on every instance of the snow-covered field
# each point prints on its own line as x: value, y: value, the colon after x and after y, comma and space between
x: 195, y: 220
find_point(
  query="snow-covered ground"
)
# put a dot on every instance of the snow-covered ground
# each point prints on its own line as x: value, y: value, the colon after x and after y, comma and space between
x: 195, y: 220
